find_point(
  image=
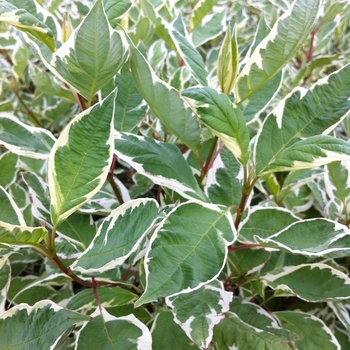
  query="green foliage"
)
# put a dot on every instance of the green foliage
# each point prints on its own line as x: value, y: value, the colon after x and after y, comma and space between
x: 174, y: 174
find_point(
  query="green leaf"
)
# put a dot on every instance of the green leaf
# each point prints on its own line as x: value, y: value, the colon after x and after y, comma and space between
x: 40, y: 196
x: 116, y: 9
x: 93, y: 54
x: 272, y: 53
x: 35, y: 327
x: 164, y: 101
x: 210, y: 27
x: 339, y: 174
x: 312, y: 238
x: 30, y: 18
x: 130, y: 108
x: 228, y: 61
x: 301, y: 115
x: 233, y: 333
x: 341, y: 310
x: 9, y: 211
x: 265, y: 222
x: 8, y: 169
x: 23, y: 139
x: 161, y: 162
x: 199, y: 311
x: 307, y: 326
x: 225, y: 180
x: 15, y: 235
x: 175, y: 337
x: 80, y: 159
x: 108, y: 297
x: 311, y: 282
x: 20, y: 57
x: 119, y: 235
x: 114, y: 333
x: 191, y: 57
x: 5, y: 279
x: 201, y: 9
x: 223, y: 118
x: 187, y: 250
x: 257, y: 317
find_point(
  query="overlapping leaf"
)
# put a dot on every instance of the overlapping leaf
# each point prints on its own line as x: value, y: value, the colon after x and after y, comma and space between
x: 306, y: 326
x: 189, y: 53
x: 165, y: 101
x: 310, y: 282
x: 118, y: 236
x: 265, y: 222
x: 31, y: 18
x: 199, y: 311
x: 200, y: 10
x: 187, y: 250
x: 224, y: 180
x: 223, y: 118
x: 114, y: 333
x: 81, y: 158
x: 313, y: 238
x: 288, y: 132
x: 116, y: 9
x: 36, y: 327
x: 285, y: 38
x: 93, y: 54
x: 23, y: 139
x: 161, y: 162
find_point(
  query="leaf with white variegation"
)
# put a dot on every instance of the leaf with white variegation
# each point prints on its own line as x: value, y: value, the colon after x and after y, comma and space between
x: 80, y: 159
x: 188, y: 52
x: 277, y: 48
x: 264, y: 222
x: 115, y: 9
x: 199, y: 311
x: 9, y: 211
x: 8, y: 169
x: 312, y: 152
x: 311, y: 282
x: 227, y: 65
x: 225, y: 180
x: 5, y: 279
x: 339, y: 175
x: 47, y: 323
x: 257, y: 317
x: 93, y: 54
x: 175, y: 337
x: 23, y: 139
x: 223, y: 118
x: 119, y: 235
x: 187, y: 250
x: 170, y: 168
x: 29, y: 17
x: 164, y: 101
x: 312, y: 238
x: 301, y: 115
x: 200, y: 10
x: 125, y: 332
x: 108, y: 297
x: 313, y: 334
x: 234, y: 333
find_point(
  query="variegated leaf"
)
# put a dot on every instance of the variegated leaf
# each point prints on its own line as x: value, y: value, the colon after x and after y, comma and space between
x: 125, y: 332
x: 164, y: 101
x: 199, y: 311
x: 47, y: 323
x: 81, y: 158
x: 93, y: 54
x: 187, y: 250
x: 171, y: 169
x: 119, y: 235
x: 223, y: 118
x: 277, y: 48
x: 298, y: 117
x: 23, y: 139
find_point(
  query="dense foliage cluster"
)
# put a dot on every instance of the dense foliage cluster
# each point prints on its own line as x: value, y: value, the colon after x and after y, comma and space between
x: 174, y: 174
